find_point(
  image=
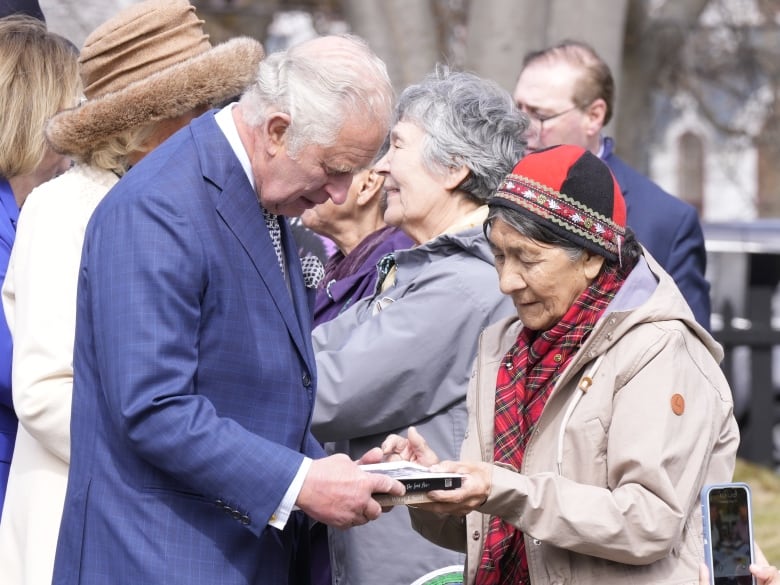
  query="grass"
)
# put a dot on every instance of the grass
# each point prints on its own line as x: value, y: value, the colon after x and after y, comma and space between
x: 765, y: 488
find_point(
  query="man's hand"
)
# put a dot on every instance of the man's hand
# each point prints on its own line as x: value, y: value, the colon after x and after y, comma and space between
x: 337, y: 493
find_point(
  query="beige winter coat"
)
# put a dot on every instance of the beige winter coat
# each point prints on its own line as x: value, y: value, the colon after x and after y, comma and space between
x: 609, y: 493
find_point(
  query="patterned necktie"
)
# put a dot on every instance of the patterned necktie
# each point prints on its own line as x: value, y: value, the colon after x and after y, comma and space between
x: 272, y: 222
x: 313, y: 271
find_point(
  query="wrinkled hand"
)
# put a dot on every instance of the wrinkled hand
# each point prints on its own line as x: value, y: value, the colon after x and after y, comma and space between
x: 475, y: 486
x: 412, y: 448
x: 474, y: 490
x: 337, y: 493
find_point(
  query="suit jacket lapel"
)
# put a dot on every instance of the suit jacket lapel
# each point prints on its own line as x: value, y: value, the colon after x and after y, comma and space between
x: 239, y: 208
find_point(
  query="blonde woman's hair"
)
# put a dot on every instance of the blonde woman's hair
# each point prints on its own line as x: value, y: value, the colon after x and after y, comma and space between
x: 38, y: 77
x: 114, y: 153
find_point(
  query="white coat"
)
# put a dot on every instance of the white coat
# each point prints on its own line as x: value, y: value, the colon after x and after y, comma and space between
x: 39, y: 299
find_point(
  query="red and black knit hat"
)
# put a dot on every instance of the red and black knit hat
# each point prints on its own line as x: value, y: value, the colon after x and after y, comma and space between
x: 570, y: 191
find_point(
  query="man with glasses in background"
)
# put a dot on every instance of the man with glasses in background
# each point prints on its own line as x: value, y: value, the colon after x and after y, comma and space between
x: 568, y: 92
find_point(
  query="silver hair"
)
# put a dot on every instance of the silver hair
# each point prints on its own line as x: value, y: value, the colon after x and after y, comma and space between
x: 320, y: 87
x: 468, y: 121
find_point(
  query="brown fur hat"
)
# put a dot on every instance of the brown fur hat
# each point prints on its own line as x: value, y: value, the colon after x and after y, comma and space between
x: 150, y: 62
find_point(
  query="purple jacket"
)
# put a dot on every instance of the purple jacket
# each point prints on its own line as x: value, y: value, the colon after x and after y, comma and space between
x: 350, y: 278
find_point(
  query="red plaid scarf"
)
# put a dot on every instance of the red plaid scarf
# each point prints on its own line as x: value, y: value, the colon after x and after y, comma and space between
x: 526, y: 377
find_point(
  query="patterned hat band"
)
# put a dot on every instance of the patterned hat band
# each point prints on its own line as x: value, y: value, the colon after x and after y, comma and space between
x: 565, y: 216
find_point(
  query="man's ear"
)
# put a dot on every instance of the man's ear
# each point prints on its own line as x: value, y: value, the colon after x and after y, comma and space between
x: 370, y: 184
x: 276, y: 127
x: 595, y: 114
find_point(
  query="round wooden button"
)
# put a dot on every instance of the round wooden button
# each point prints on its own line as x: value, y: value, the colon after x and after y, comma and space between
x: 678, y: 404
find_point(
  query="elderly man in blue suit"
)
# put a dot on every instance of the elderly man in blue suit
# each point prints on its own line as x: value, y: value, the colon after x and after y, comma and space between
x: 192, y: 460
x: 568, y: 91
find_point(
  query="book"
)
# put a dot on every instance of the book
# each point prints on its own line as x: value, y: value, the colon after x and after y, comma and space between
x: 388, y: 500
x: 417, y: 479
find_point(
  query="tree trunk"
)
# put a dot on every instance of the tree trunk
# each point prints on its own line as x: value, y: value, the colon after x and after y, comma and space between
x: 651, y: 44
x: 225, y: 19
x: 403, y: 33
x: 600, y: 23
x: 499, y: 33
x: 75, y: 21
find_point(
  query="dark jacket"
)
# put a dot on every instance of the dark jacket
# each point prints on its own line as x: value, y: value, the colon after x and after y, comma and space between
x: 669, y: 228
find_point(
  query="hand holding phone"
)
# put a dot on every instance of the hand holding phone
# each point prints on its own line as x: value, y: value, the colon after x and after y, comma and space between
x: 728, y: 533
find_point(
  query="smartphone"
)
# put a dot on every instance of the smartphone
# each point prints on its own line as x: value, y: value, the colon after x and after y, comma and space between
x: 728, y: 533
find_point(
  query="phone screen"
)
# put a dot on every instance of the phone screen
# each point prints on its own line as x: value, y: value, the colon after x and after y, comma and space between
x: 730, y: 535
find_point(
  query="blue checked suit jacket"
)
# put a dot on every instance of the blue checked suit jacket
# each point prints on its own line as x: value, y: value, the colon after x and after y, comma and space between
x: 194, y: 380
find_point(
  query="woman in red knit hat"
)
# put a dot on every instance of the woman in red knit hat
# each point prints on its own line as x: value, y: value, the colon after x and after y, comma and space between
x: 596, y: 414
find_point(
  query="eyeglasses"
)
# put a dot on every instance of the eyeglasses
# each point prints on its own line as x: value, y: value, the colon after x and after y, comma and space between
x: 541, y: 118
